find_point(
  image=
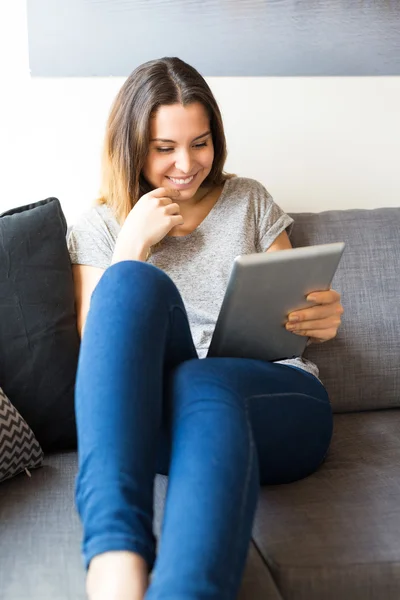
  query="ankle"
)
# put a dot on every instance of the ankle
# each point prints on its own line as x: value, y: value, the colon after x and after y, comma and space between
x: 117, y: 575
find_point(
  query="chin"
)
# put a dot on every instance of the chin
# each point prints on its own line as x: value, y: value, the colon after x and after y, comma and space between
x: 187, y: 194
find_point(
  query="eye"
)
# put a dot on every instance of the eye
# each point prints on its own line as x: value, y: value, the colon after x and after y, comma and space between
x: 202, y: 145
x: 164, y: 149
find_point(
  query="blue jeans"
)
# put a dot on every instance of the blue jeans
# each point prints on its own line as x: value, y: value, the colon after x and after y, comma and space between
x: 145, y: 403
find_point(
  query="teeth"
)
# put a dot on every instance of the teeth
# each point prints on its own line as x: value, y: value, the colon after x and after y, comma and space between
x: 181, y: 181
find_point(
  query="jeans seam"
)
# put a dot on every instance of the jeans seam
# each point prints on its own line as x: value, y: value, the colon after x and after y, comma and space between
x: 281, y: 394
x: 244, y: 495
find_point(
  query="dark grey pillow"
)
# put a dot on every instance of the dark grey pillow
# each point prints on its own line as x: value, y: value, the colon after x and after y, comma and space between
x: 39, y: 342
x: 19, y: 449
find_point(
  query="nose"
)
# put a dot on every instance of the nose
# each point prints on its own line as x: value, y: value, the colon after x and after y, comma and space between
x: 183, y: 161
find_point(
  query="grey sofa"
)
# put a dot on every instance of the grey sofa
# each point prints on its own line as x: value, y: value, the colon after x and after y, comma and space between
x: 334, y: 535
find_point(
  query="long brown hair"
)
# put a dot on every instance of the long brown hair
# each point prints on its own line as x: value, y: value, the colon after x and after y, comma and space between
x: 159, y: 82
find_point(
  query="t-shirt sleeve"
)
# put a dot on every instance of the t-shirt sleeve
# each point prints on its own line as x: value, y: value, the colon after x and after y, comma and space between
x: 90, y: 241
x: 271, y: 219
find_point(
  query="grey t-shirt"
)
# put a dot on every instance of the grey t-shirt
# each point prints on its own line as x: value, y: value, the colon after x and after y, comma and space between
x: 244, y: 220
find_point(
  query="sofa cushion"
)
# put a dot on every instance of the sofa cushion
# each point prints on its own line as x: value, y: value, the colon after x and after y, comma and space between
x: 19, y: 449
x: 360, y: 368
x: 39, y: 342
x: 41, y: 535
x: 336, y: 533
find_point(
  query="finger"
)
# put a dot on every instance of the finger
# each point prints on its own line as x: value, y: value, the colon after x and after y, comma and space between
x: 319, y: 324
x: 165, y: 193
x: 327, y: 297
x: 175, y: 220
x: 316, y: 312
x: 172, y: 209
x: 318, y: 334
x: 164, y: 201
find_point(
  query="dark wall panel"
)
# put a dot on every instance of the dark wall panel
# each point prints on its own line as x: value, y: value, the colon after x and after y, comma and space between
x: 85, y: 38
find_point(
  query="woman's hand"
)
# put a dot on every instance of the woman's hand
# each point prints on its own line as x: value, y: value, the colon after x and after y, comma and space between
x: 150, y: 220
x: 321, y: 322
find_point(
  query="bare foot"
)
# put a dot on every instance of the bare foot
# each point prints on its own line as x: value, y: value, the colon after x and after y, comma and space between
x: 117, y: 576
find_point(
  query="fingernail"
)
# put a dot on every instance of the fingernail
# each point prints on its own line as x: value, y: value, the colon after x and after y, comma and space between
x: 293, y: 319
x: 311, y: 298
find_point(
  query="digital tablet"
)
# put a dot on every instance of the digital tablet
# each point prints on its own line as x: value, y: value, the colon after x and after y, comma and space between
x: 262, y: 290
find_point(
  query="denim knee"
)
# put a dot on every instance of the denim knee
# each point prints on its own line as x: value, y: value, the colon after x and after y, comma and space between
x: 132, y: 276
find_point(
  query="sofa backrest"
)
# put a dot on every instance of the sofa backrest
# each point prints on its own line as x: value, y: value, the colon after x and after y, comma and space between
x: 361, y: 367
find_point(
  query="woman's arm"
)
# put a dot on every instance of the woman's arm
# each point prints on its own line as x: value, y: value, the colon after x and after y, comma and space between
x: 282, y: 242
x: 85, y: 280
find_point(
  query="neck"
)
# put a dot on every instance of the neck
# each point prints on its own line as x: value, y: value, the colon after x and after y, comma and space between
x: 201, y: 194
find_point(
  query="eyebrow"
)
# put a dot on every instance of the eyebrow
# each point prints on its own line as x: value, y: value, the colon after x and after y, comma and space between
x: 173, y: 142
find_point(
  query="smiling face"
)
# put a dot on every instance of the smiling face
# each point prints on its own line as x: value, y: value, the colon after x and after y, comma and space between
x: 181, y: 151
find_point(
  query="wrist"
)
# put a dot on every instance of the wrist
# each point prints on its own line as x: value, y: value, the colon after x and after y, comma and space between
x: 122, y: 252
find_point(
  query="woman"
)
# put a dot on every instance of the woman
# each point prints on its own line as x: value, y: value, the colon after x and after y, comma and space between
x: 169, y: 218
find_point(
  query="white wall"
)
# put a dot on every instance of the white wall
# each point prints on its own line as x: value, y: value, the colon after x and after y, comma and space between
x: 316, y: 143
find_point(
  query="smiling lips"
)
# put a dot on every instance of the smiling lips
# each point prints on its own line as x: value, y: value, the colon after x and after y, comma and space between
x: 182, y: 181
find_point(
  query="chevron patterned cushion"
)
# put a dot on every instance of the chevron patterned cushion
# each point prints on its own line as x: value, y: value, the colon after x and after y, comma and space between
x: 19, y: 449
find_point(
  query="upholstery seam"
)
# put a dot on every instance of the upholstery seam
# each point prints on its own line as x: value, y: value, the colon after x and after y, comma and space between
x: 267, y: 565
